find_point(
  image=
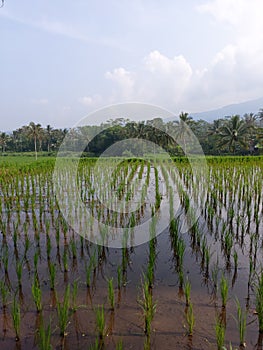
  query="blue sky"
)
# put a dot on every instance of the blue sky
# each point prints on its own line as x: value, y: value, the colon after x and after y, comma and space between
x: 61, y: 60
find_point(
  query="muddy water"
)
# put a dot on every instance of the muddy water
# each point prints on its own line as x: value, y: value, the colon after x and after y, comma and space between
x: 169, y: 329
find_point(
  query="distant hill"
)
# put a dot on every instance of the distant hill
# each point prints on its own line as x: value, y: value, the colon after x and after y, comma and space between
x: 251, y: 106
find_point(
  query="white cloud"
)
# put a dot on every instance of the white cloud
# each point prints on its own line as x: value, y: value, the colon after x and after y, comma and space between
x: 243, y: 16
x: 159, y: 79
x: 235, y: 74
x: 125, y: 81
x: 90, y: 100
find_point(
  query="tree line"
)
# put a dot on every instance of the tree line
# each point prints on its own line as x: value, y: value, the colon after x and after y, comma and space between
x: 233, y: 135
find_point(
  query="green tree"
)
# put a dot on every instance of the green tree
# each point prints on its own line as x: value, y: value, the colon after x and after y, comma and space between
x: 234, y: 133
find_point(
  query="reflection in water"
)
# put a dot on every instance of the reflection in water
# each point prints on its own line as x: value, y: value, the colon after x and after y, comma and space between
x: 111, y: 323
x: 259, y: 345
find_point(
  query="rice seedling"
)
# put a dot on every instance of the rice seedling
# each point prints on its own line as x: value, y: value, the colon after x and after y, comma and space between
x: 63, y: 312
x: 16, y: 317
x: 228, y: 244
x: 187, y: 291
x: 220, y: 330
x: 44, y: 341
x: 224, y: 290
x: 4, y: 293
x: 19, y: 269
x: 119, y: 345
x: 96, y: 346
x: 111, y: 296
x: 242, y: 323
x: 100, y: 321
x: 119, y: 277
x: 37, y: 294
x: 148, y: 306
x: 181, y: 277
x: 259, y: 301
x: 52, y: 275
x: 190, y: 319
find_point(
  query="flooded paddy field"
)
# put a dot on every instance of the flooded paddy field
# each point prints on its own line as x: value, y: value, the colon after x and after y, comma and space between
x: 191, y: 279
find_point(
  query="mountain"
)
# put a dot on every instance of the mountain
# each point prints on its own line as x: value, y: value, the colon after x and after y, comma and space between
x: 251, y: 106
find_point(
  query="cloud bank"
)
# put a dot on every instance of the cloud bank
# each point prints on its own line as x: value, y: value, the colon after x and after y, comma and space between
x: 234, y: 75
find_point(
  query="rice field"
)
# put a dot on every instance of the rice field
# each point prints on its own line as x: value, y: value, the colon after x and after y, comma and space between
x: 194, y: 284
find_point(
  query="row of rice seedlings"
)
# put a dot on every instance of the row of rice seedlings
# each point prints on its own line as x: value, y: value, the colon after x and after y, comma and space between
x: 158, y: 197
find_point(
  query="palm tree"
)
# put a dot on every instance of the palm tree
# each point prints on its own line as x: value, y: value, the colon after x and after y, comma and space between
x: 35, y: 131
x: 260, y: 116
x: 214, y: 129
x: 48, y: 133
x: 234, y: 132
x: 3, y: 141
x: 182, y: 128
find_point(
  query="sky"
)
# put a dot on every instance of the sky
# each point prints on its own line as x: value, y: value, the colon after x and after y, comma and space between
x: 62, y: 60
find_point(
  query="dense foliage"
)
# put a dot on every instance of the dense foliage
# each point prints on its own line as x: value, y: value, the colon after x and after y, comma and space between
x: 230, y: 135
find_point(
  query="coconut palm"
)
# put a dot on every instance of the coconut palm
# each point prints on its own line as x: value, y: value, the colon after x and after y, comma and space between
x: 214, y: 129
x: 260, y: 116
x: 182, y: 128
x: 35, y: 131
x: 3, y: 141
x: 234, y: 133
x: 48, y: 135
